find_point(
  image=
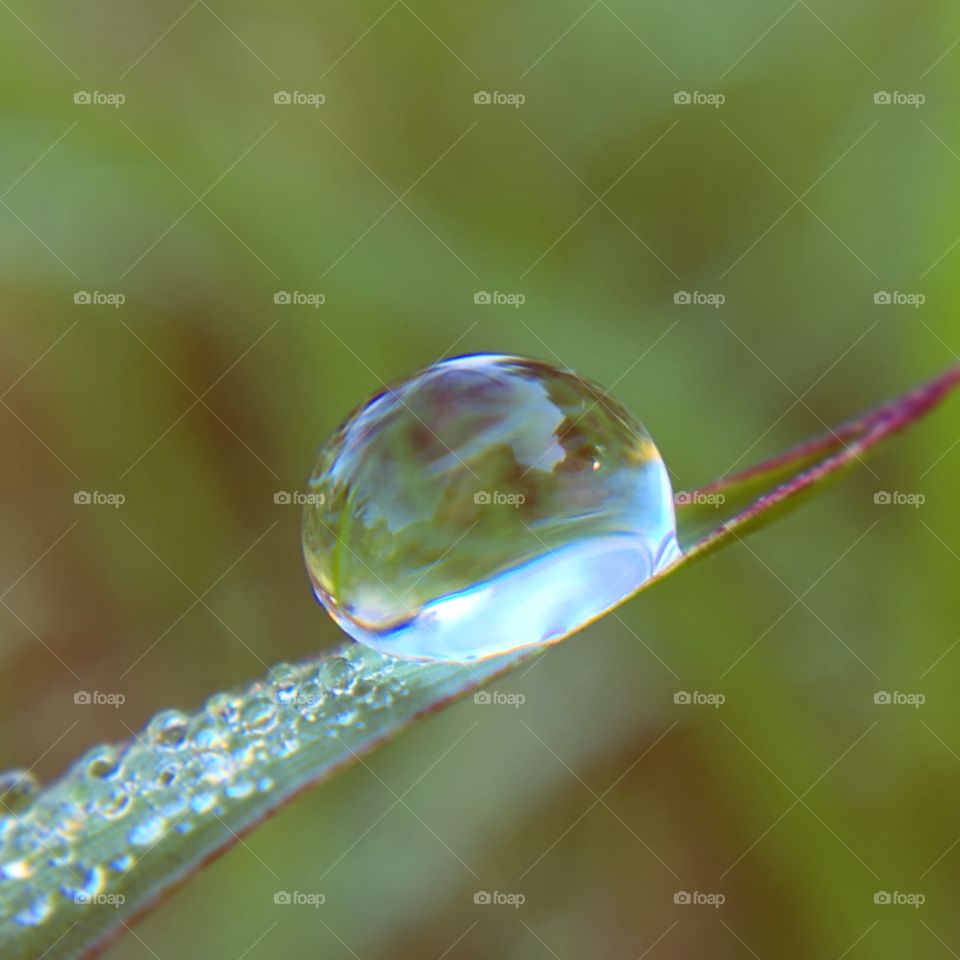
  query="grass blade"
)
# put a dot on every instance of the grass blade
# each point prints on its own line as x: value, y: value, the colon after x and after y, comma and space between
x: 128, y: 824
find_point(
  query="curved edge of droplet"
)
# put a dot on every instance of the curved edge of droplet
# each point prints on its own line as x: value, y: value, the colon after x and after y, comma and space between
x: 535, y: 603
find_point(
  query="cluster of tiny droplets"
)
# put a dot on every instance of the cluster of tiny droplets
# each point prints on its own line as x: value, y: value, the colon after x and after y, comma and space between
x: 180, y: 770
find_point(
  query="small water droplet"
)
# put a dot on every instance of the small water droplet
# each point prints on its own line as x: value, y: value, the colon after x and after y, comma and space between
x: 485, y: 504
x: 209, y: 733
x: 17, y: 790
x: 36, y: 911
x: 284, y: 679
x: 223, y: 706
x: 168, y: 729
x: 203, y: 800
x: 101, y: 762
x: 114, y: 804
x: 123, y: 862
x: 339, y: 674
x: 239, y: 789
x: 166, y: 776
x: 148, y: 831
x: 259, y: 714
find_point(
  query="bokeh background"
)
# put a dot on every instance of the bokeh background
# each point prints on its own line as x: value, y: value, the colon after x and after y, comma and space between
x: 598, y: 199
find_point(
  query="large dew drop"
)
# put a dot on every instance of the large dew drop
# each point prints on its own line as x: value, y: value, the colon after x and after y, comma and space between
x: 485, y: 504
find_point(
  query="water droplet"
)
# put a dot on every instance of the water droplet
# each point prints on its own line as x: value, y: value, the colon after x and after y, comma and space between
x: 485, y: 504
x: 168, y: 729
x: 223, y: 706
x: 36, y: 911
x: 209, y: 733
x: 203, y: 800
x: 339, y: 674
x: 259, y: 714
x: 122, y: 863
x: 101, y: 762
x: 147, y: 831
x: 113, y: 804
x: 17, y: 790
x: 239, y: 789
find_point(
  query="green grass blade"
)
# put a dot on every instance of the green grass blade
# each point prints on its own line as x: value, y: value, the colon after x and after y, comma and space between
x: 128, y: 824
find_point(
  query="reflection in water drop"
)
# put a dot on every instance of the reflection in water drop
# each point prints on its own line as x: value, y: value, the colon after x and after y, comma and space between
x: 485, y: 504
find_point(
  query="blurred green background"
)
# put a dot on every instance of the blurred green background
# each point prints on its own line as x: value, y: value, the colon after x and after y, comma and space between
x: 599, y: 199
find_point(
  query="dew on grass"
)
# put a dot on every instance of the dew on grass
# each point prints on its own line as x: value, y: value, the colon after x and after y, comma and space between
x: 485, y: 504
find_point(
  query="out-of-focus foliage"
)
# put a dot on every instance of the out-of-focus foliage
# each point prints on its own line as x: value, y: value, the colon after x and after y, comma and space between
x: 799, y: 200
